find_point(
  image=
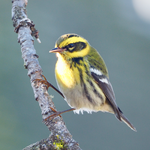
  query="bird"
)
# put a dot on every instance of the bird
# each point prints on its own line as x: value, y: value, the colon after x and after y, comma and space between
x: 82, y: 78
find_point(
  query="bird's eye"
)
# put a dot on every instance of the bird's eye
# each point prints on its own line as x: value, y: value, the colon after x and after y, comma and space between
x: 71, y: 45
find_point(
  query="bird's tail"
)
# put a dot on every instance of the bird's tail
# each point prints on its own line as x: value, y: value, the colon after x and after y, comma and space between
x: 125, y: 120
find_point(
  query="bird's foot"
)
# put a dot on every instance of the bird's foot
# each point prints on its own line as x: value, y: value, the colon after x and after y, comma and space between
x: 44, y: 81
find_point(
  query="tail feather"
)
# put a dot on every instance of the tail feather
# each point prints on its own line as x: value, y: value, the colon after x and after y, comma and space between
x: 126, y: 121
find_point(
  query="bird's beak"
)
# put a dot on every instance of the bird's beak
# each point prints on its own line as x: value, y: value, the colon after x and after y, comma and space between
x: 57, y: 49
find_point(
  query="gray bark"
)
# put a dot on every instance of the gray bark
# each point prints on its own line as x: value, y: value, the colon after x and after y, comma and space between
x: 59, y: 132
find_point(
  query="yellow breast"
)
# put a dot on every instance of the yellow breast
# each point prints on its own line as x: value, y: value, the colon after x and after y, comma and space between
x: 66, y: 77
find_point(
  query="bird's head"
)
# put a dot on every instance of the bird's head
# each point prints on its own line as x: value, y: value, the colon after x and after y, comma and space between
x: 71, y: 45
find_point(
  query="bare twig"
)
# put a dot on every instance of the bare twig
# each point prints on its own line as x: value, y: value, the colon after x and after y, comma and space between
x: 25, y: 28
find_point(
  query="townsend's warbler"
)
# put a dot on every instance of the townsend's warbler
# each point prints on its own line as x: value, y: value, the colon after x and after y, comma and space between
x: 83, y: 79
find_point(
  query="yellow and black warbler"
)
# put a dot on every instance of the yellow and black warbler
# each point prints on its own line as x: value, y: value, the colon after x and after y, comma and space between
x: 82, y: 77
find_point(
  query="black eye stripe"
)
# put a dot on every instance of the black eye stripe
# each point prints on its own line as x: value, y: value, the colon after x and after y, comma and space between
x: 77, y: 46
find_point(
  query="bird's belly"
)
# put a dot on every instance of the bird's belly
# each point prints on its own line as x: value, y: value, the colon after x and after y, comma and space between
x: 76, y: 98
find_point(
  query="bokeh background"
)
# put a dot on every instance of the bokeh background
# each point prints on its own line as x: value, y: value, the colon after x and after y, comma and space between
x: 120, y: 31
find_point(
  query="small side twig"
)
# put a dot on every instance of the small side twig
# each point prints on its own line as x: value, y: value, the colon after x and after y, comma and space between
x: 25, y: 29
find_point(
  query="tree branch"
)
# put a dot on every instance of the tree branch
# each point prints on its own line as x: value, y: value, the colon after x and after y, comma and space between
x: 60, y: 136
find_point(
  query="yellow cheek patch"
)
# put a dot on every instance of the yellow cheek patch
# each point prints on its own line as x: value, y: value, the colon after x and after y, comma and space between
x: 81, y: 53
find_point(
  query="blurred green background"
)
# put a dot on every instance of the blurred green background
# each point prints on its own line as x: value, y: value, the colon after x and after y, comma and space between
x: 121, y: 35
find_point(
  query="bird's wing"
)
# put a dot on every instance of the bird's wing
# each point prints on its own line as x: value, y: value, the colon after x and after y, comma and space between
x: 103, y: 82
